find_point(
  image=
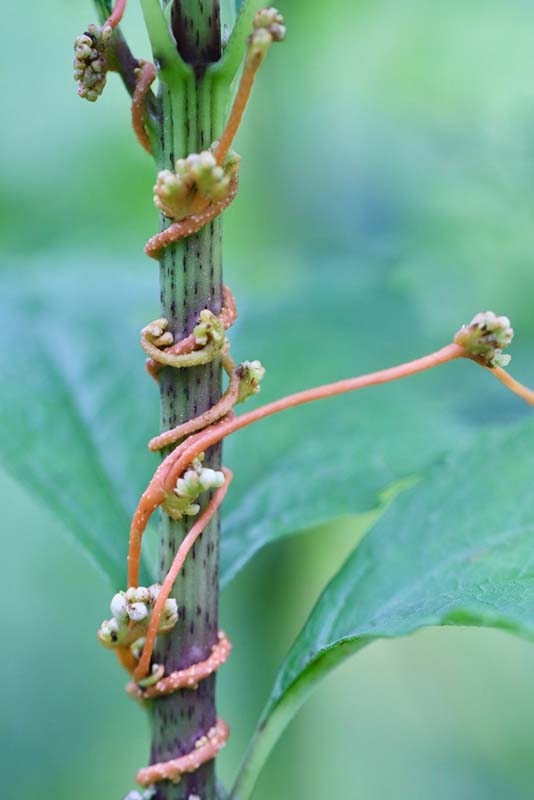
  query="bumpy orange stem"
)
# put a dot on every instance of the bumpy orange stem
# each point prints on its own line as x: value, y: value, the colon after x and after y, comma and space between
x: 146, y: 74
x: 205, y: 750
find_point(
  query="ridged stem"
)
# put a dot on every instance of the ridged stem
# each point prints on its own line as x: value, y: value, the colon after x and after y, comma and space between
x: 191, y: 280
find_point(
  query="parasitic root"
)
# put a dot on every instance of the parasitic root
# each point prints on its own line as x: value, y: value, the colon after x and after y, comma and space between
x: 206, y: 748
x: 187, y: 678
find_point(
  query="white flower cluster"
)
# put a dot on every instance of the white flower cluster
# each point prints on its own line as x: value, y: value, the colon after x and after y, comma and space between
x: 272, y: 21
x: 135, y: 605
x: 90, y: 61
x: 209, y: 329
x: 486, y: 336
x: 197, y: 181
x: 195, y: 480
x: 268, y: 27
x: 251, y: 374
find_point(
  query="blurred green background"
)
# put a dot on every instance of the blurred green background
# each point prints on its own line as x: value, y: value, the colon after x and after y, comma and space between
x: 400, y: 132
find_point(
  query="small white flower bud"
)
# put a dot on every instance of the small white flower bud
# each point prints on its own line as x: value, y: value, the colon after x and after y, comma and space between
x: 169, y: 618
x: 137, y: 594
x: 211, y: 479
x: 119, y: 606
x: 108, y: 632
x: 153, y: 592
x: 267, y: 18
x: 137, y: 612
x: 205, y: 162
x: 252, y: 373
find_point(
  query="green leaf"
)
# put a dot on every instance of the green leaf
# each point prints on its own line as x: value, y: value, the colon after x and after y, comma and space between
x: 65, y: 432
x: 222, y: 793
x: 78, y: 407
x: 455, y: 550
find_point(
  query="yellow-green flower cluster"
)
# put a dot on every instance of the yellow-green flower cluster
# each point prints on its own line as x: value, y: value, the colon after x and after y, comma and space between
x: 486, y: 336
x: 90, y: 62
x: 250, y: 375
x: 189, y: 487
x: 196, y: 182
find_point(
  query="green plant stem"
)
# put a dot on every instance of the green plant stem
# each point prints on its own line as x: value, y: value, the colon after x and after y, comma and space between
x: 170, y: 65
x: 191, y: 279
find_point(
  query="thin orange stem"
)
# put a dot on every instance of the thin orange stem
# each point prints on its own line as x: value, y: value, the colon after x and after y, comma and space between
x: 220, y: 431
x: 166, y: 588
x: 181, y: 457
x: 238, y: 107
x: 146, y: 74
x: 176, y: 462
x: 511, y: 383
x: 117, y: 14
x: 153, y: 496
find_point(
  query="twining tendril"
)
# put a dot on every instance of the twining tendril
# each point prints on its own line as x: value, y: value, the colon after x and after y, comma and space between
x: 206, y: 748
x: 199, y: 188
x: 145, y: 75
x: 181, y: 457
x: 187, y: 678
x: 479, y: 340
x: 244, y: 381
x: 190, y: 224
